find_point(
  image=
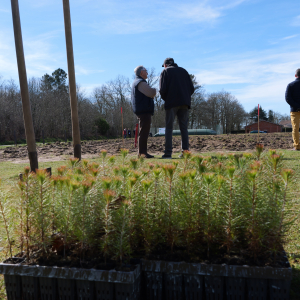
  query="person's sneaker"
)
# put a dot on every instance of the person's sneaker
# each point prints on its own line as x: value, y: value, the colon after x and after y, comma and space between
x: 167, y: 156
x: 295, y: 149
x: 181, y: 155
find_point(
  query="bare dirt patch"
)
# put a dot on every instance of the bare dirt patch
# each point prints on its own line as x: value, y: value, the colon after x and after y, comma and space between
x: 218, y: 143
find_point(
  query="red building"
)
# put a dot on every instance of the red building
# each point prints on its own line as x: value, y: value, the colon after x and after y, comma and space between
x: 264, y: 126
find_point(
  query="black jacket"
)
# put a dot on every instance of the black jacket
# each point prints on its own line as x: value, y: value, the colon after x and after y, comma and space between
x: 175, y: 86
x: 292, y: 95
x: 141, y: 104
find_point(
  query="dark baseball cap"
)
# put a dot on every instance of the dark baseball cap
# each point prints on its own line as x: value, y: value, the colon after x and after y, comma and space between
x: 168, y: 61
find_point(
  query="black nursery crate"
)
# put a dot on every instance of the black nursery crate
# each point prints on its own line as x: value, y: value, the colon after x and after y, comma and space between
x: 13, y: 287
x: 196, y: 281
x: 52, y: 283
x: 48, y: 288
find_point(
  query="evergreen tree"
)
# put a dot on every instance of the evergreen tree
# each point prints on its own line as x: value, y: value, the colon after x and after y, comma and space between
x: 271, y: 116
x: 262, y: 114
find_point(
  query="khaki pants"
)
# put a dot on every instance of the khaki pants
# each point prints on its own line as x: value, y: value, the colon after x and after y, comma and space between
x: 295, y: 118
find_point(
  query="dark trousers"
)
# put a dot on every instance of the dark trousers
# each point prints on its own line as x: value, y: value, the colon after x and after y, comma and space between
x: 182, y: 114
x: 144, y: 124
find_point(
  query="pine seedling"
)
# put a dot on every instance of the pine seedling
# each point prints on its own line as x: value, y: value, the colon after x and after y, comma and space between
x: 169, y: 172
x: 107, y: 221
x: 5, y: 211
x: 208, y: 179
x: 230, y: 171
x: 54, y: 180
x: 156, y: 173
x: 73, y: 186
x: 121, y: 233
x: 112, y: 159
x: 247, y: 155
x: 145, y: 172
x: 258, y: 150
x: 141, y: 159
x: 106, y: 182
x: 43, y: 204
x: 137, y: 174
x: 27, y: 209
x: 220, y: 181
x: 151, y: 166
x: 94, y: 172
x: 125, y: 172
x: 124, y: 153
x: 117, y: 182
x: 21, y: 186
x: 134, y: 163
x: 73, y: 162
x: 183, y: 176
x: 218, y: 168
x: 186, y: 156
x: 84, y: 163
x: 286, y: 176
x: 116, y: 171
x: 146, y: 185
x: 103, y: 155
x: 254, y: 239
x: 86, y: 186
x: 61, y: 170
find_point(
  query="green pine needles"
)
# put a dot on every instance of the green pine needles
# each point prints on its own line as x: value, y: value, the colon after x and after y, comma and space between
x: 194, y: 209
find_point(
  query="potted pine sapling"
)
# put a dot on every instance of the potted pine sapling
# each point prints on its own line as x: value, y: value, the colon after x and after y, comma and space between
x: 232, y: 207
x: 61, y: 226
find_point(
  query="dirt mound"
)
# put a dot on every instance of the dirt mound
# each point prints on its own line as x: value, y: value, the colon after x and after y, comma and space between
x: 200, y: 143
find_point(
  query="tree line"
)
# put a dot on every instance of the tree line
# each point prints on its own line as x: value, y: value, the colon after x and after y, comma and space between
x: 100, y: 112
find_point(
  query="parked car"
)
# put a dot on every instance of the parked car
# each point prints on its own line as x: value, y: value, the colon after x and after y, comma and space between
x: 256, y: 131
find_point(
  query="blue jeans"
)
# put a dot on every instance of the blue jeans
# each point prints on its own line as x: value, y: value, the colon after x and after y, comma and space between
x: 182, y: 114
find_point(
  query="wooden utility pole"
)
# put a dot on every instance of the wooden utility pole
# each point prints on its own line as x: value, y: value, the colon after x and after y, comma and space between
x: 29, y: 131
x: 72, y: 81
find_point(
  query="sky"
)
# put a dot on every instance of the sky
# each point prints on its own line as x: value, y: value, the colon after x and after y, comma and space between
x: 250, y: 48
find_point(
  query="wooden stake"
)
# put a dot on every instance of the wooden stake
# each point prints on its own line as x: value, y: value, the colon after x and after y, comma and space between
x: 72, y: 81
x: 28, y: 124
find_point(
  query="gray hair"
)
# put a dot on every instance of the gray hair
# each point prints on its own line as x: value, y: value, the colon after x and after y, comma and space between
x: 138, y: 70
x: 298, y: 72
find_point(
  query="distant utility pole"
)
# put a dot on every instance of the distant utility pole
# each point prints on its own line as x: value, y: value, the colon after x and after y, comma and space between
x: 29, y: 131
x: 72, y: 81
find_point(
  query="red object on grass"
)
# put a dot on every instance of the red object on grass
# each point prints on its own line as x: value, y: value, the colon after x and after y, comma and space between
x: 136, y: 134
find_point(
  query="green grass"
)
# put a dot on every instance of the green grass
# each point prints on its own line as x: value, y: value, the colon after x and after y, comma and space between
x: 9, y: 173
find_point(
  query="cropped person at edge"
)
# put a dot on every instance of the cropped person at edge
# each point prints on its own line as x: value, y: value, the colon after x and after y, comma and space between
x: 292, y: 97
x: 143, y: 106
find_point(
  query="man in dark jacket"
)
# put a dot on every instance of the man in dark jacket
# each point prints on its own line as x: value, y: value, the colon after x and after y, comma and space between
x: 143, y: 106
x: 292, y: 97
x: 176, y: 88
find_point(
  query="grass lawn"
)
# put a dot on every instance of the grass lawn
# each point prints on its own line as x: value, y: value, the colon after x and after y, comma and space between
x: 9, y: 176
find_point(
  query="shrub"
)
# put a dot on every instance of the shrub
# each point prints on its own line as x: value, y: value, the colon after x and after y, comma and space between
x: 102, y: 126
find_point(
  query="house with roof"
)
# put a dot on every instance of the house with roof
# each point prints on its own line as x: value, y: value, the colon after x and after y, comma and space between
x: 264, y: 126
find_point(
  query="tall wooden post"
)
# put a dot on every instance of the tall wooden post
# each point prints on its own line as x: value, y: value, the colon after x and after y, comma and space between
x: 29, y: 131
x: 72, y: 81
